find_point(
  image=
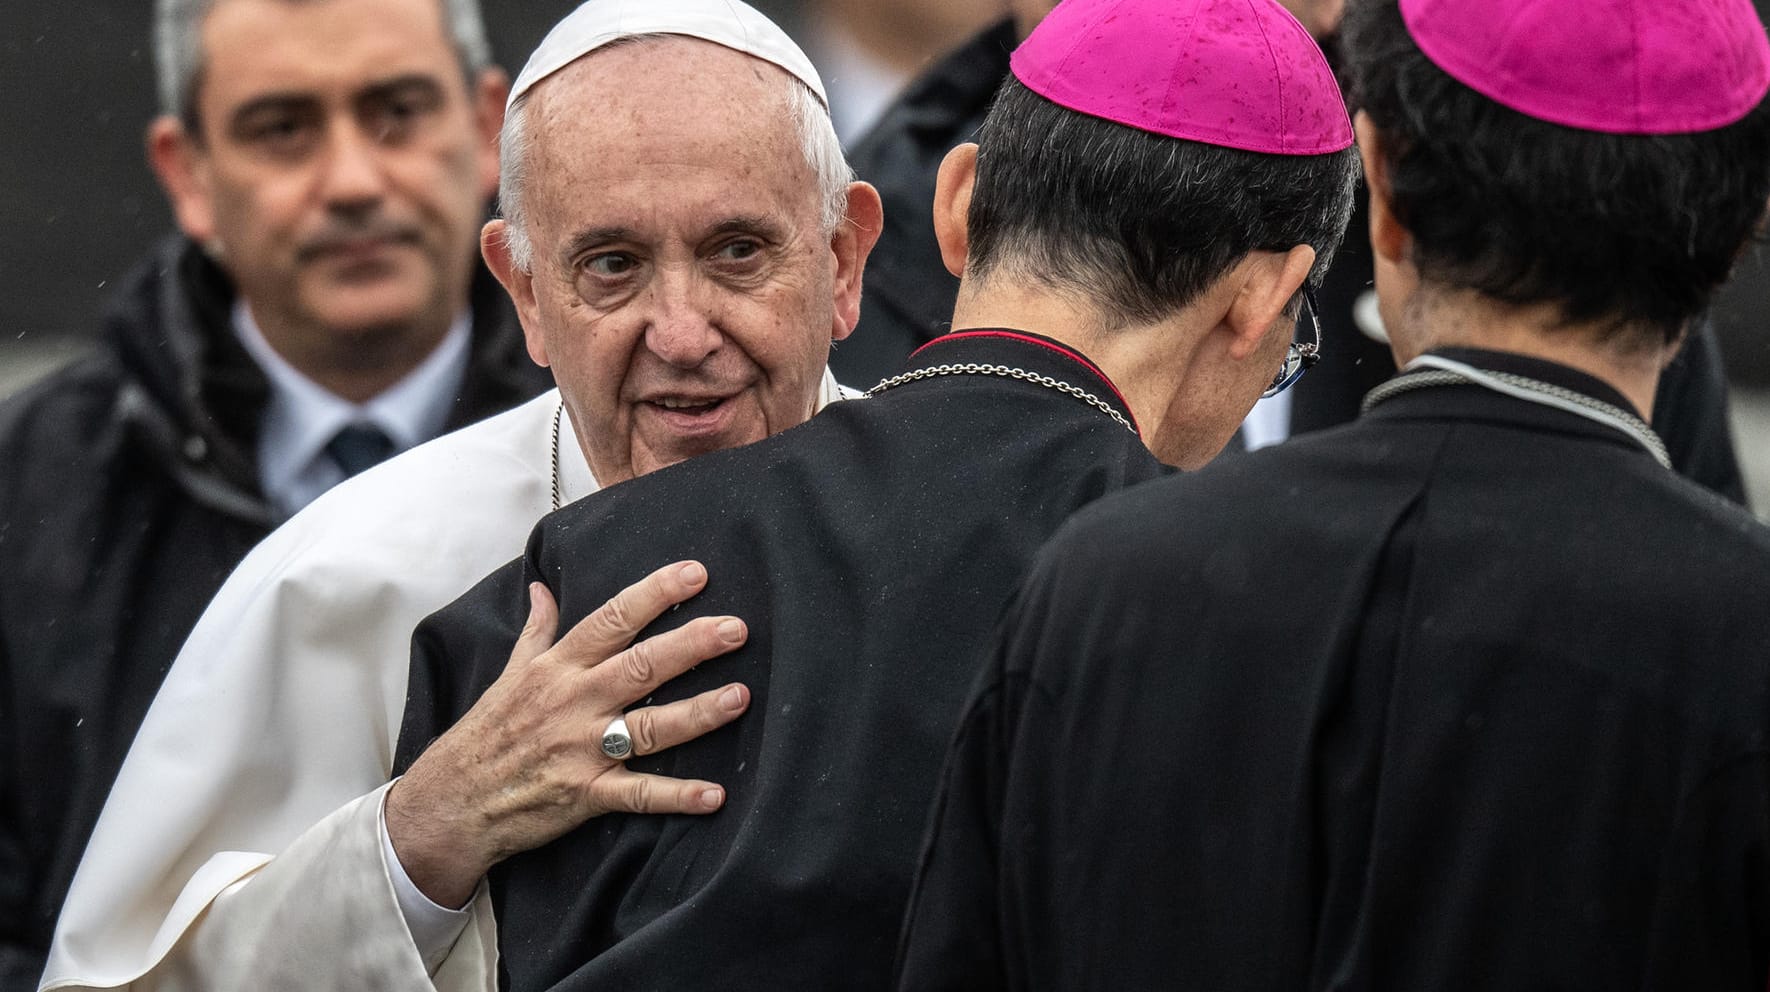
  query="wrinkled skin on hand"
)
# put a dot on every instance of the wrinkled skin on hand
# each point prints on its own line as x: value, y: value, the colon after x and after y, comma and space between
x: 525, y: 764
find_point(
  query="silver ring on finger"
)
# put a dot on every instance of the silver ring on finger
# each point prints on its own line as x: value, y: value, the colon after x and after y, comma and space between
x: 616, y: 742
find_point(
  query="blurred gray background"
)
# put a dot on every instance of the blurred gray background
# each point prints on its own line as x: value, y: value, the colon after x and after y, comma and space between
x: 80, y: 205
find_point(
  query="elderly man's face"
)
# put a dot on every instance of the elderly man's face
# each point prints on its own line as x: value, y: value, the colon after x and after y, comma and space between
x: 683, y: 289
x: 341, y: 167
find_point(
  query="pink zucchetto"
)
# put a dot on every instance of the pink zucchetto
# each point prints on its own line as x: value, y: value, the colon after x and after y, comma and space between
x: 1618, y: 66
x: 1235, y: 73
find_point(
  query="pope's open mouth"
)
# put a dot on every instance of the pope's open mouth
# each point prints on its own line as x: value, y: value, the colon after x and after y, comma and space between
x: 690, y: 408
x: 690, y: 416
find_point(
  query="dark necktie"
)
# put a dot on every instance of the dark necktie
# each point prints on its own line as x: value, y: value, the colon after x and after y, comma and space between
x: 359, y: 446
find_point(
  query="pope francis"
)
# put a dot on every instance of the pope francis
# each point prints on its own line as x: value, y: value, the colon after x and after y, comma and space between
x: 684, y: 281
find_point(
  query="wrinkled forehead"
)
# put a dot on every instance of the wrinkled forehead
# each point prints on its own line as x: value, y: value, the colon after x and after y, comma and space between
x: 686, y: 118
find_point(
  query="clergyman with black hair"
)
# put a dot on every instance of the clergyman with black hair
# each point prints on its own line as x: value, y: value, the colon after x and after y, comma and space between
x: 1473, y: 693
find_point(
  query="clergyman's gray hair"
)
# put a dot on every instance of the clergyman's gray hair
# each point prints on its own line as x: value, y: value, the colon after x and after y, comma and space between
x: 811, y: 119
x: 178, y: 48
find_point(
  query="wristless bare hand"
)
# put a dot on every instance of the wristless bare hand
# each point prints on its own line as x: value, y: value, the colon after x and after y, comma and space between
x: 525, y: 764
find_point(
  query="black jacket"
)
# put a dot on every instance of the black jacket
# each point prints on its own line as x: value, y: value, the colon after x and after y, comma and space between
x: 129, y: 492
x: 909, y: 293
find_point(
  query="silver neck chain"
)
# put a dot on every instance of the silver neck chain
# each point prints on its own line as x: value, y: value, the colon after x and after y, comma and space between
x: 1008, y: 372
x: 898, y: 380
x: 558, y: 415
x: 1441, y: 371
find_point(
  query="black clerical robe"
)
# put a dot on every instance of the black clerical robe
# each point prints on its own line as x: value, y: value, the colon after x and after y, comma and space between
x: 1469, y: 694
x: 1466, y: 695
x: 871, y: 551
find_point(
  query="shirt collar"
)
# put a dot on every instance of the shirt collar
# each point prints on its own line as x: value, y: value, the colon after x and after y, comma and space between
x: 1493, y: 383
x: 1542, y: 370
x: 1026, y: 351
x: 303, y: 416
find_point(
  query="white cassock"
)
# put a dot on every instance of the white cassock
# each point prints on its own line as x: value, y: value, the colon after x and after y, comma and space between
x: 240, y: 846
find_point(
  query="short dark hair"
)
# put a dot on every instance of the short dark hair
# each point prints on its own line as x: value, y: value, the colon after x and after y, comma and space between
x: 1138, y: 223
x: 1630, y: 232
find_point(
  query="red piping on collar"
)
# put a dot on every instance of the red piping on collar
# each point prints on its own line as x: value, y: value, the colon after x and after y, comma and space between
x: 1061, y: 349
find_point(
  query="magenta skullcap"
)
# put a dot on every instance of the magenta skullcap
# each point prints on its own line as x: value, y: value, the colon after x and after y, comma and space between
x: 1236, y: 73
x: 1618, y: 66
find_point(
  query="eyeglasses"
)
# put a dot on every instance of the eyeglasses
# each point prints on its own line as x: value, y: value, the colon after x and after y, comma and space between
x: 1301, y: 355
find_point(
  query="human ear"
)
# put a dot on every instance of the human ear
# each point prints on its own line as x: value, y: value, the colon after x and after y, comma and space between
x: 952, y: 205
x: 1268, y: 281
x: 494, y: 244
x: 182, y: 167
x: 852, y: 242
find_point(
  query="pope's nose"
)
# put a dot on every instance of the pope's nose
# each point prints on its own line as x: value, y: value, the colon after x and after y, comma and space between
x: 681, y: 331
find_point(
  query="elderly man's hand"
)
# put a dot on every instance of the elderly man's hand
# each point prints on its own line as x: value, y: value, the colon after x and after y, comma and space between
x: 525, y: 765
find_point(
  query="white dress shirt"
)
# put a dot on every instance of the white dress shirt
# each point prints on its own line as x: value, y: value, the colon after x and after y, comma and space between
x: 303, y: 416
x: 1269, y: 422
